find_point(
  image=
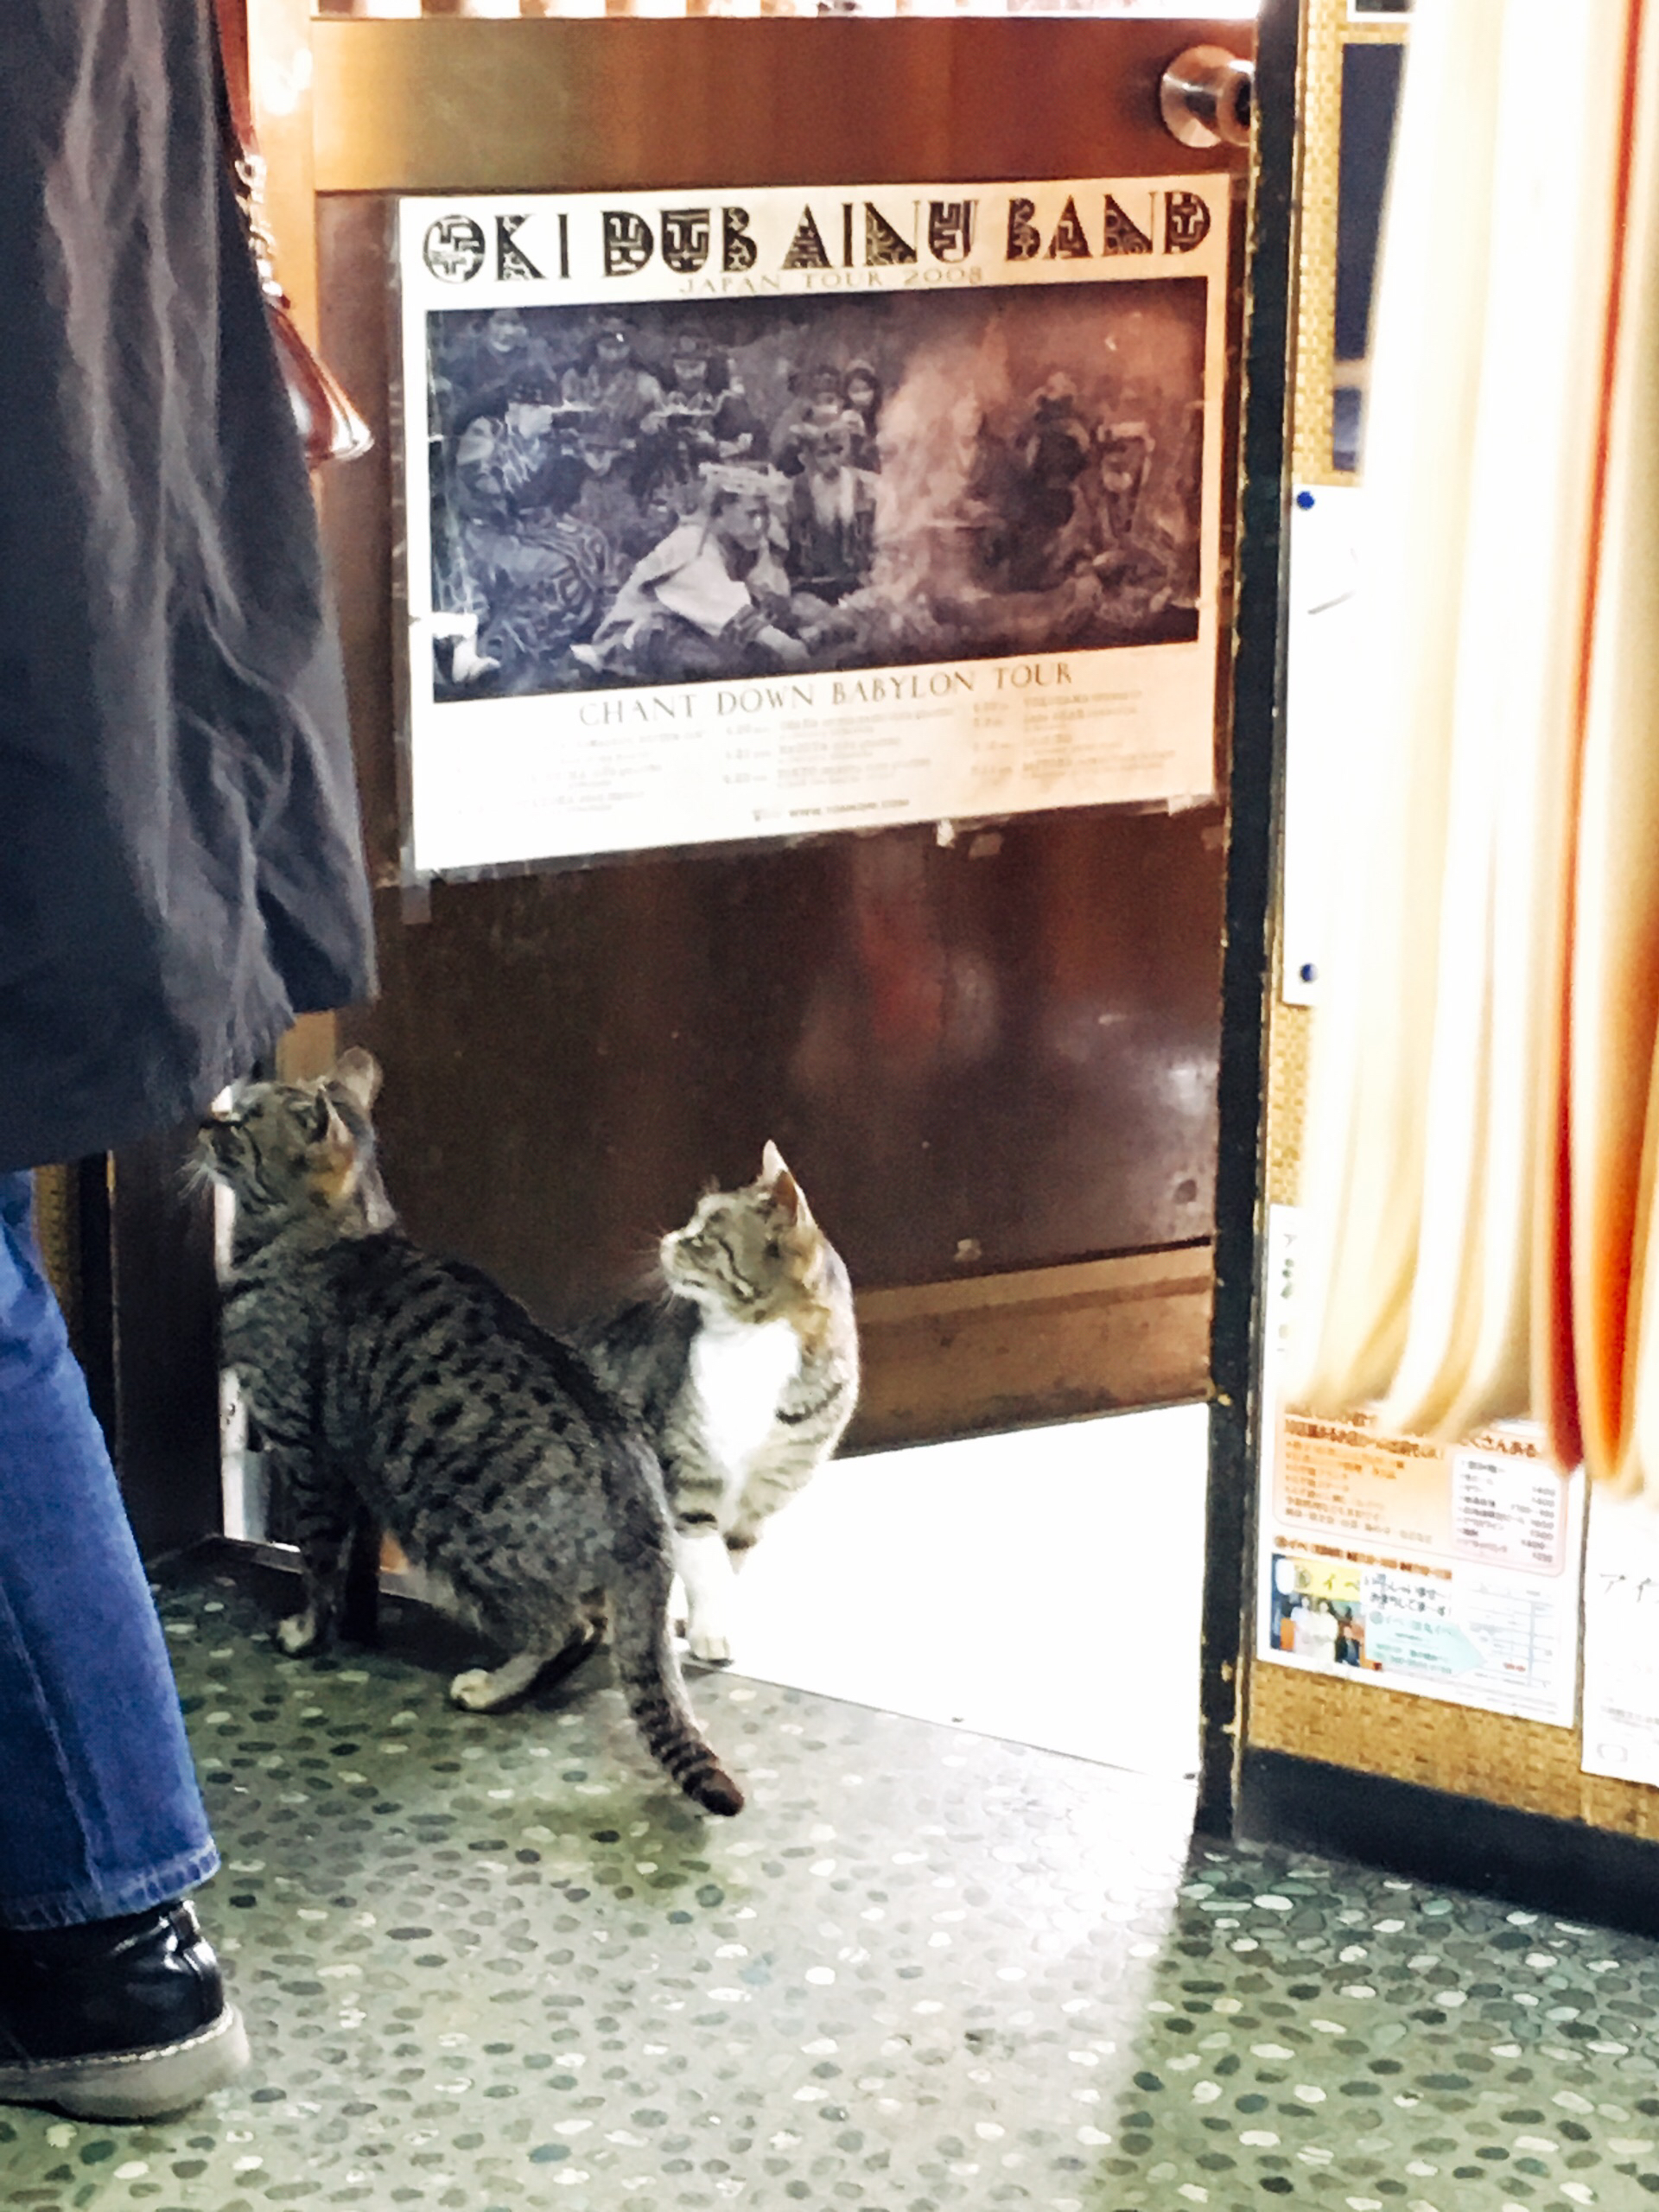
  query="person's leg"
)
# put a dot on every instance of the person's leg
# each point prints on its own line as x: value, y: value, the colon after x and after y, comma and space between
x: 111, y: 2004
x: 99, y: 1811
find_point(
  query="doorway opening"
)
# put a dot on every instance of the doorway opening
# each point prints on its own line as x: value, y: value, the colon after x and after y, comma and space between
x: 1042, y: 1585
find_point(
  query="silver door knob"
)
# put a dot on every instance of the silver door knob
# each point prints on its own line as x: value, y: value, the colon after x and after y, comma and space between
x: 1205, y: 97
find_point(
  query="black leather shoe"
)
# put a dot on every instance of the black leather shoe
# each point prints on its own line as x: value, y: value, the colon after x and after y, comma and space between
x: 116, y: 2020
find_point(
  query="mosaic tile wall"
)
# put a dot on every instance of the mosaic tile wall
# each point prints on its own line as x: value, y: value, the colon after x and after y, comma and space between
x: 489, y: 1963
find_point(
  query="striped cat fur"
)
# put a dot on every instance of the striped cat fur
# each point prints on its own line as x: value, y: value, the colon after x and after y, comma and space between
x: 386, y: 1379
x: 744, y: 1373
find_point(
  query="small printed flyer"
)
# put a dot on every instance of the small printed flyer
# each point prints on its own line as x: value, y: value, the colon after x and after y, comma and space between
x: 1621, y: 1639
x: 1452, y: 1571
x: 747, y: 515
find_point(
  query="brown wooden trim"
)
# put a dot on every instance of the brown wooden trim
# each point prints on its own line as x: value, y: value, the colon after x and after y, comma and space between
x: 1527, y: 1766
x: 1330, y: 30
x: 1049, y: 1343
x: 309, y: 1048
x: 451, y: 105
x: 54, y: 1232
x: 164, y: 1301
x: 279, y: 78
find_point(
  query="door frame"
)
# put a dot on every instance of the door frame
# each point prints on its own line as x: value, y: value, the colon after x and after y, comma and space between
x: 1256, y: 785
x: 305, y: 144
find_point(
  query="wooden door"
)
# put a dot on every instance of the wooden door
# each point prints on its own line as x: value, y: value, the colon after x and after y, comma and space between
x: 992, y: 1062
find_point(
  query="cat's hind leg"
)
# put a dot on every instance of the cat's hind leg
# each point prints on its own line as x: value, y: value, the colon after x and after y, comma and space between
x: 486, y: 1689
x: 482, y: 1690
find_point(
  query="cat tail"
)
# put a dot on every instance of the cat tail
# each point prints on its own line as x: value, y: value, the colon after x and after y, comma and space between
x: 649, y: 1673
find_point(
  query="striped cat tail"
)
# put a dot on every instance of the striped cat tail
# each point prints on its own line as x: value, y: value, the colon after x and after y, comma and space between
x: 649, y: 1673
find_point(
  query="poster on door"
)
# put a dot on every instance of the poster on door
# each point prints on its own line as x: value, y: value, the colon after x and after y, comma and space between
x: 764, y: 513
x: 1452, y: 1571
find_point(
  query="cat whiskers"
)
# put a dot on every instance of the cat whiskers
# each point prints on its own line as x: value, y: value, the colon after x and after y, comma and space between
x: 650, y: 1286
x: 195, y: 1171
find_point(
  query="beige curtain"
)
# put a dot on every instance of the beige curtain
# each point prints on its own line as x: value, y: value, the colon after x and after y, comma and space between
x: 1473, y: 1183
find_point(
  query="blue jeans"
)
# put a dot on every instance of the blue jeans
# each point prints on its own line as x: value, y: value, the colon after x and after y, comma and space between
x: 99, y: 1811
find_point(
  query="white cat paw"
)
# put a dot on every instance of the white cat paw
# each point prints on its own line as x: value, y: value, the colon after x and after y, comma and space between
x: 476, y: 1689
x: 297, y: 1633
x: 714, y: 1650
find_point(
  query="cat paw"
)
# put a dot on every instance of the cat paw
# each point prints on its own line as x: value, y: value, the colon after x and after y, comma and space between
x: 477, y: 1690
x: 295, y: 1634
x: 713, y: 1651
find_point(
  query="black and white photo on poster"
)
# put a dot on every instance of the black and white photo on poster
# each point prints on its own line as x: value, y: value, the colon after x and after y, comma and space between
x: 759, y: 515
x: 677, y: 491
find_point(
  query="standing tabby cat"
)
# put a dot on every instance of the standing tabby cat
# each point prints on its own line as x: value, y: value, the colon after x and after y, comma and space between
x: 377, y: 1372
x: 746, y: 1375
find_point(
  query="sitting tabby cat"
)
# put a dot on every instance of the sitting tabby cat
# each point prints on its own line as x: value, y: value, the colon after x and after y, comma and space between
x: 746, y: 1374
x: 377, y: 1372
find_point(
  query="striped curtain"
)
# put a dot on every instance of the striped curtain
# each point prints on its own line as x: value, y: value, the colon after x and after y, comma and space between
x: 1484, y: 1130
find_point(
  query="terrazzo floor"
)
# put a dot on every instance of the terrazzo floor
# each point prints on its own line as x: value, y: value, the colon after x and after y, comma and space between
x: 488, y: 1962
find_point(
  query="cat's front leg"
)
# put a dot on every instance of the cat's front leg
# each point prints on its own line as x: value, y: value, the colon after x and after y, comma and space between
x: 297, y: 1633
x: 325, y: 1514
x: 705, y: 1569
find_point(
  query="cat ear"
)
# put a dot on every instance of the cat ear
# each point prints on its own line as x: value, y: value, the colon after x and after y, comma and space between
x: 784, y: 1192
x: 358, y: 1074
x: 334, y: 1155
x: 336, y: 1132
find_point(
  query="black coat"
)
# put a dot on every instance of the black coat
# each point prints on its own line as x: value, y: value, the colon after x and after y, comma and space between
x: 179, y: 859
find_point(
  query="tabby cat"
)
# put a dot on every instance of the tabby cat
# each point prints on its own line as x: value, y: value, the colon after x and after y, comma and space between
x: 745, y: 1372
x: 379, y: 1373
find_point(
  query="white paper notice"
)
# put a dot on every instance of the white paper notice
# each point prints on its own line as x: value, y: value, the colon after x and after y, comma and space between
x: 1450, y: 1571
x: 1621, y: 1639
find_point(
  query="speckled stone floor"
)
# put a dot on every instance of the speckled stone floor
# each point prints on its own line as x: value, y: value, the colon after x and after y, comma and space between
x: 490, y: 1963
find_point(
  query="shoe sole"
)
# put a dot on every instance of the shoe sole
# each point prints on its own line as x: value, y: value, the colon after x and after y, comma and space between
x: 149, y: 2084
